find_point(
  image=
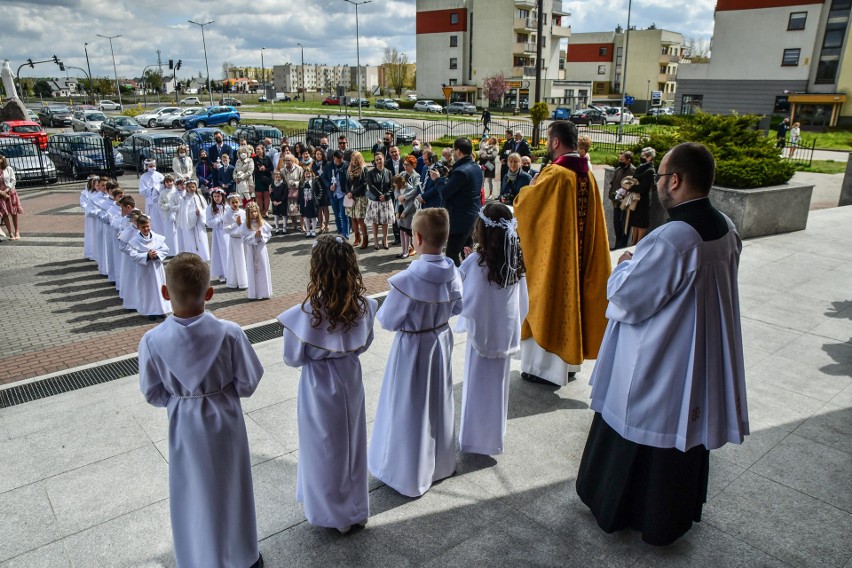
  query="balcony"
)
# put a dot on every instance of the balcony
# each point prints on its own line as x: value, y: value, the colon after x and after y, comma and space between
x: 560, y: 31
x: 666, y: 59
x: 519, y: 48
x: 529, y: 71
x: 529, y: 47
x: 671, y: 78
x: 526, y: 24
x: 526, y: 4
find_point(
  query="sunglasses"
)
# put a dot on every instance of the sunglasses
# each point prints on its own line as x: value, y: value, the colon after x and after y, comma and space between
x: 658, y: 176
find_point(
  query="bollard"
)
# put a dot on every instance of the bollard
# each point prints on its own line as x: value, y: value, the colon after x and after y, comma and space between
x: 846, y: 188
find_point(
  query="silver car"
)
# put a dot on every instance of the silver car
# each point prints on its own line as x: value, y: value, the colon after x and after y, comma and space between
x: 149, y: 119
x: 87, y: 121
x: 427, y: 106
x: 172, y: 119
x: 30, y: 165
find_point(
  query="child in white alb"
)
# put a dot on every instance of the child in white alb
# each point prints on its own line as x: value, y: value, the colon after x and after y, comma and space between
x: 215, y: 219
x: 192, y: 232
x: 256, y: 233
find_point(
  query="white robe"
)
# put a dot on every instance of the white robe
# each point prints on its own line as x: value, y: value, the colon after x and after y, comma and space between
x: 331, y: 479
x: 117, y: 224
x: 91, y: 227
x: 150, y: 275
x: 198, y: 368
x: 112, y: 216
x: 236, y: 275
x: 102, y: 203
x: 257, y: 261
x: 492, y: 317
x: 88, y: 250
x: 169, y: 205
x: 150, y: 185
x: 191, y: 230
x: 670, y: 371
x: 413, y: 443
x: 129, y: 269
x: 219, y: 247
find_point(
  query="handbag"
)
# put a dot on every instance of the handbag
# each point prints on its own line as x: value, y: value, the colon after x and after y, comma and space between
x: 630, y: 200
x: 348, y: 202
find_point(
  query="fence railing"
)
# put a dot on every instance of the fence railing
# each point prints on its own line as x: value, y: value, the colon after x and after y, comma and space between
x: 802, y: 154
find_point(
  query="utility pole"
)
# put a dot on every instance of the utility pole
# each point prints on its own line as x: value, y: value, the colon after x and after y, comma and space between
x: 89, y: 67
x: 624, y: 74
x: 262, y: 73
x: 539, y: 40
x: 304, y: 87
x: 114, y: 69
x: 206, y: 64
x: 357, y: 49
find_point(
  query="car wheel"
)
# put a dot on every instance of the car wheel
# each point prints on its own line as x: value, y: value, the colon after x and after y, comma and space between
x: 200, y: 124
x: 152, y: 123
x: 233, y: 122
x: 176, y: 124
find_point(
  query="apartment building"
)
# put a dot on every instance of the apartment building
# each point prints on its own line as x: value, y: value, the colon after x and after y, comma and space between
x: 786, y: 57
x: 288, y: 78
x: 462, y: 42
x: 653, y: 58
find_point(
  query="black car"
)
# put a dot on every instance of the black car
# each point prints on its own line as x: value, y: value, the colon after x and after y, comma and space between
x: 587, y: 116
x: 230, y: 102
x: 120, y: 127
x: 83, y: 153
x: 162, y: 147
x: 402, y: 134
x: 54, y: 115
x: 356, y: 101
x: 255, y: 133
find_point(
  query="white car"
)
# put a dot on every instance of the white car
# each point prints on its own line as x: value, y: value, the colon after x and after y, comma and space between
x: 613, y: 115
x: 172, y: 120
x: 87, y: 121
x: 108, y: 105
x: 30, y: 165
x: 149, y: 119
x: 190, y: 101
x: 428, y: 106
x: 411, y: 96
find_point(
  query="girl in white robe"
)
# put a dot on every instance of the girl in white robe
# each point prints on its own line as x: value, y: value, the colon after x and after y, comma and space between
x: 494, y: 307
x: 331, y: 479
x: 98, y: 204
x: 88, y: 227
x: 128, y: 268
x: 236, y: 275
x: 148, y: 250
x: 191, y: 230
x: 256, y: 233
x: 169, y: 207
x: 215, y: 219
x: 150, y: 185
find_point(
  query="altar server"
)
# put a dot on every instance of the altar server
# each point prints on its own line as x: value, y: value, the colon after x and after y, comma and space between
x: 255, y: 233
x: 148, y: 250
x: 236, y: 275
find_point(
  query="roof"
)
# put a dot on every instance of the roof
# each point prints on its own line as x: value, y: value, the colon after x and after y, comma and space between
x: 21, y: 123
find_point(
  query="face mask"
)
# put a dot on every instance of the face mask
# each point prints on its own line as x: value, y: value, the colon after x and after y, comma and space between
x: 152, y: 168
x: 324, y: 146
x: 204, y: 158
x: 526, y: 168
x: 277, y: 182
x: 243, y: 156
x: 218, y: 141
x: 415, y: 148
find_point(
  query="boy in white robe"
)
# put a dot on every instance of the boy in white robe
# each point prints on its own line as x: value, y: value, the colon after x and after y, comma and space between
x: 198, y: 367
x: 148, y: 250
x: 236, y: 275
x: 669, y: 383
x: 99, y: 204
x: 169, y: 207
x: 150, y: 185
x: 215, y: 220
x: 127, y: 267
x: 191, y: 230
x: 126, y: 204
x: 413, y: 443
x: 331, y: 480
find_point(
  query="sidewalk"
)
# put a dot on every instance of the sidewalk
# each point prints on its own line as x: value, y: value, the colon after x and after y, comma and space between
x: 83, y: 476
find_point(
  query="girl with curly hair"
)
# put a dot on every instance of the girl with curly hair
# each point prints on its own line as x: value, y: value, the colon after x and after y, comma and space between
x: 325, y: 335
x: 494, y: 305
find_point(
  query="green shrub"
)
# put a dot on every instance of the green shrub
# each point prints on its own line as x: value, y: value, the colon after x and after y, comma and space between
x: 749, y: 172
x: 405, y: 104
x: 132, y: 111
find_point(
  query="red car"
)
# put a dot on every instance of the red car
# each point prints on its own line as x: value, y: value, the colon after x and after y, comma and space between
x: 25, y: 129
x: 331, y: 101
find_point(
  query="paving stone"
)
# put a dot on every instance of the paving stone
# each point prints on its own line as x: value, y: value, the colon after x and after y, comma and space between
x: 831, y: 426
x: 50, y: 556
x: 27, y: 521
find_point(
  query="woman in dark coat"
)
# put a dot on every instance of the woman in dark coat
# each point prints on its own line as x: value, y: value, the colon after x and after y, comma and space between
x: 318, y: 167
x: 263, y: 168
x: 514, y: 180
x: 640, y: 218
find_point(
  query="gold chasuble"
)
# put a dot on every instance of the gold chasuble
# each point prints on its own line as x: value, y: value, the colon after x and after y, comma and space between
x: 566, y: 252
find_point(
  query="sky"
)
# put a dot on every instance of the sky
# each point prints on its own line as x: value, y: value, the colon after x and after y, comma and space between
x: 38, y: 29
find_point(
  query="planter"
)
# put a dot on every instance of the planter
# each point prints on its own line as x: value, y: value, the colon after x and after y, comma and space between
x: 756, y: 212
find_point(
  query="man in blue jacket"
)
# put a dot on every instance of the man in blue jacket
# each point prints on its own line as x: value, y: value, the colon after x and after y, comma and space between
x: 333, y: 180
x: 462, y: 198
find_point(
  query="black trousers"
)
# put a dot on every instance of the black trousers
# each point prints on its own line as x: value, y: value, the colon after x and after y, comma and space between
x: 455, y: 246
x: 621, y: 237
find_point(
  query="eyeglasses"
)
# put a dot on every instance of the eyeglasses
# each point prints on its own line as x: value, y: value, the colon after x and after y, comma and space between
x: 658, y: 176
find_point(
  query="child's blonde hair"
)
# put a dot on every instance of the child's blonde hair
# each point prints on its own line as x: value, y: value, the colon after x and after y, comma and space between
x: 253, y: 207
x: 187, y: 278
x: 584, y: 143
x: 433, y: 224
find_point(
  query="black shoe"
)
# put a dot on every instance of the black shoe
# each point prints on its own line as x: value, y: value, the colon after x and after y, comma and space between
x: 259, y: 563
x: 533, y: 379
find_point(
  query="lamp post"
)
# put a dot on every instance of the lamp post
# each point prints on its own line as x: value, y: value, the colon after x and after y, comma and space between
x: 357, y: 49
x: 89, y: 67
x: 206, y: 65
x: 304, y: 87
x: 114, y: 69
x: 262, y: 72
x: 624, y: 74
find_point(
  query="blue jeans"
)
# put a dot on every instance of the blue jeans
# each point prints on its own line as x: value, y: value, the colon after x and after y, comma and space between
x: 340, y: 217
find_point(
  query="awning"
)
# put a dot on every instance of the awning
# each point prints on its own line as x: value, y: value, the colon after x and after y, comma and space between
x: 817, y: 99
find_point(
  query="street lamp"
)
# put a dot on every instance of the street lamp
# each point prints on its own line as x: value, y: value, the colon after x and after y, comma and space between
x: 206, y: 65
x: 624, y: 74
x: 304, y: 87
x: 89, y: 67
x: 357, y: 49
x: 262, y: 72
x: 114, y: 70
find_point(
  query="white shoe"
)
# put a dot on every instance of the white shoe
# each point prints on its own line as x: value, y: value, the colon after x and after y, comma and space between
x: 345, y: 530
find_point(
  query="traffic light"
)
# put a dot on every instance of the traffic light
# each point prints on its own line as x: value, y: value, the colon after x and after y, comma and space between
x: 56, y: 60
x: 179, y: 63
x: 171, y: 63
x: 30, y: 61
x: 61, y: 66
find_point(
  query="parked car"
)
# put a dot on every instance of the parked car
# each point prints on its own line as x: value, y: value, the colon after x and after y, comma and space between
x: 427, y: 106
x: 262, y: 99
x: 87, y: 121
x: 613, y: 115
x: 174, y: 120
x: 588, y: 116
x: 75, y: 108
x: 387, y: 104
x: 194, y: 101
x: 30, y: 164
x: 202, y: 138
x: 460, y: 107
x: 411, y: 96
x: 255, y: 133
x: 356, y: 101
x: 160, y: 146
x: 82, y: 154
x: 402, y: 134
x: 230, y: 101
x: 331, y: 101
x: 149, y: 119
x: 24, y: 129
x: 165, y: 119
x: 331, y: 127
x: 120, y: 127
x: 660, y: 111
x: 54, y: 115
x: 108, y: 105
x: 561, y: 113
x: 212, y: 116
x: 32, y: 114
x: 282, y: 98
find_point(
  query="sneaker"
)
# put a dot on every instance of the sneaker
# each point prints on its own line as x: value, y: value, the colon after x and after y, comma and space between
x: 307, y: 234
x: 345, y: 530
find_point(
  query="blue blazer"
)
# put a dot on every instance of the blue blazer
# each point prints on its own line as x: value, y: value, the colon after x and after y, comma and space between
x: 213, y: 153
x: 327, y: 176
x: 462, y: 195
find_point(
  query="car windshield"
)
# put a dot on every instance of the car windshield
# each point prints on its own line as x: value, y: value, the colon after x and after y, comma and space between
x: 207, y: 136
x: 83, y: 143
x: 18, y: 150
x: 391, y: 124
x: 58, y: 108
x: 26, y: 128
x: 95, y: 116
x: 168, y: 142
x: 123, y: 121
x: 201, y: 111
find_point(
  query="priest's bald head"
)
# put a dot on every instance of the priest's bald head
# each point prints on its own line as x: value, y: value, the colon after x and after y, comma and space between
x: 687, y: 172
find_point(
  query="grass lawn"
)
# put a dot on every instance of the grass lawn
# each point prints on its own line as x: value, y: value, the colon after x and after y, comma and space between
x: 823, y: 167
x: 834, y: 140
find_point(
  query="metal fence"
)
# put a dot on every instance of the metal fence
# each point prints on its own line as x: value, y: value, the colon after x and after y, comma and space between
x: 802, y: 154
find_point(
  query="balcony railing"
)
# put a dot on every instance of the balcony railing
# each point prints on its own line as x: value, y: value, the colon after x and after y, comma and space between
x: 526, y: 24
x: 529, y: 47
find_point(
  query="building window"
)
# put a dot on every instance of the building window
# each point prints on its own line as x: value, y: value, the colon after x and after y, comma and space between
x: 454, y: 18
x: 602, y: 51
x: 454, y: 41
x: 690, y: 104
x: 782, y: 106
x: 454, y: 82
x: 601, y: 69
x: 454, y: 63
x: 797, y: 21
x: 790, y: 58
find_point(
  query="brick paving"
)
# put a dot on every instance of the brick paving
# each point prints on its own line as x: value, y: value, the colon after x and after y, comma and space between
x: 59, y: 313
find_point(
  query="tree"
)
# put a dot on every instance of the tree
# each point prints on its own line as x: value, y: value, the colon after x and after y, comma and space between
x: 697, y: 50
x: 396, y: 69
x: 538, y: 113
x: 154, y: 80
x: 42, y: 89
x: 495, y: 87
x: 226, y: 69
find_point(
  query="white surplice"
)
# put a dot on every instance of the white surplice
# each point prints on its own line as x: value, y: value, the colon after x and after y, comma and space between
x: 150, y: 185
x: 331, y: 479
x: 88, y: 247
x: 492, y: 317
x: 129, y: 269
x: 236, y: 275
x: 150, y: 274
x: 413, y: 443
x: 198, y: 368
x: 257, y: 261
x: 169, y: 205
x: 219, y: 246
x: 191, y: 230
x: 91, y: 226
x: 670, y: 372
